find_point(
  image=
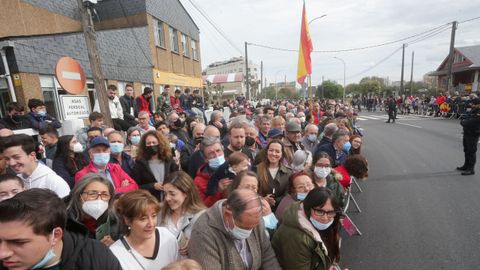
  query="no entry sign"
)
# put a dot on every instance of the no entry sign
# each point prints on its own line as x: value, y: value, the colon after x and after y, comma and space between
x: 70, y: 75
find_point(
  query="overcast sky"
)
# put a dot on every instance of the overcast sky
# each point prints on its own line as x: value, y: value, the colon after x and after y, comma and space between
x: 348, y: 24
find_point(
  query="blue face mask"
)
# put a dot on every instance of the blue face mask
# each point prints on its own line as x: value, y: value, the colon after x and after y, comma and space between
x: 43, y: 262
x: 42, y: 113
x: 320, y: 226
x: 214, y: 163
x: 239, y: 233
x: 116, y: 147
x: 347, y: 146
x: 301, y: 196
x: 312, y: 138
x: 101, y: 159
x: 270, y: 221
x: 135, y: 139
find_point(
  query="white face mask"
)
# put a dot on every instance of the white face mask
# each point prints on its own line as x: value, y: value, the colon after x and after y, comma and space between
x: 322, y: 172
x: 95, y: 208
x: 77, y: 148
x: 239, y: 233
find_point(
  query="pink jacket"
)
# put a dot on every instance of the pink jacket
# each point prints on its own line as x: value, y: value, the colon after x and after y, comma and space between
x: 117, y: 173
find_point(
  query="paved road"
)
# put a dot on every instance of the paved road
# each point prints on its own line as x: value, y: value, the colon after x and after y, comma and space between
x: 418, y: 212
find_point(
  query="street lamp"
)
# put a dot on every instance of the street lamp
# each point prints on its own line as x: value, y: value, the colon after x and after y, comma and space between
x: 344, y: 72
x: 316, y: 18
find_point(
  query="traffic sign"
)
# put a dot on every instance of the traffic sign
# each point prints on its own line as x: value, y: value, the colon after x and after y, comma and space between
x: 70, y: 75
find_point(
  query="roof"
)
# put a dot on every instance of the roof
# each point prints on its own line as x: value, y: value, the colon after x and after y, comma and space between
x: 472, y: 61
x: 224, y: 78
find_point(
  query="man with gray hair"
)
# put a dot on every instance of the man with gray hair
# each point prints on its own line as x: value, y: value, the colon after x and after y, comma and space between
x: 212, y: 151
x: 335, y: 148
x: 310, y: 138
x: 328, y: 132
x: 230, y: 235
x: 197, y: 159
x: 144, y: 122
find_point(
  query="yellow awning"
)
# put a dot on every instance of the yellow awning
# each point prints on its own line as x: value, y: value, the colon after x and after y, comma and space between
x: 162, y: 77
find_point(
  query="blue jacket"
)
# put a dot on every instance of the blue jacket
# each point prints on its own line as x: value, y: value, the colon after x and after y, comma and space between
x: 337, y: 158
x: 38, y: 122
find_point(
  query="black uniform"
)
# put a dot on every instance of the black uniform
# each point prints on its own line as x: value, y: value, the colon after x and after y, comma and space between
x: 471, y: 133
x: 391, y: 108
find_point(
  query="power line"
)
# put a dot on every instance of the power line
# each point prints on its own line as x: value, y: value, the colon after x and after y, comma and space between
x: 469, y: 20
x: 199, y: 9
x: 420, y: 39
x: 376, y: 65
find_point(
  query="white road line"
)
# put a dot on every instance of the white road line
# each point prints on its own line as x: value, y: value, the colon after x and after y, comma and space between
x: 362, y: 119
x: 370, y: 117
x: 409, y: 125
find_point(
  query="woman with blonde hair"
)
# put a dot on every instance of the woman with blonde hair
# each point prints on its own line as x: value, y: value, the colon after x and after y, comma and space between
x: 181, y: 209
x: 144, y: 246
x: 154, y: 163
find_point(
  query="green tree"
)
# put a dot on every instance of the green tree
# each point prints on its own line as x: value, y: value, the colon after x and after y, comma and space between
x: 331, y: 90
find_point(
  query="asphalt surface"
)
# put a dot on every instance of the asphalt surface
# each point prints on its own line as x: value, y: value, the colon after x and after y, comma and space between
x: 418, y: 212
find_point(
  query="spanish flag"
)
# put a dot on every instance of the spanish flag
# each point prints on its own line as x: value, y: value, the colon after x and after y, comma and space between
x: 306, y: 47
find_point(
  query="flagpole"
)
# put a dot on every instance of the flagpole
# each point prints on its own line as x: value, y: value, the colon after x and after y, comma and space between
x: 311, y: 95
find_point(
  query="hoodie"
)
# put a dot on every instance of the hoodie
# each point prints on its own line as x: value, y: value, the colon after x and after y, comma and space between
x: 44, y: 177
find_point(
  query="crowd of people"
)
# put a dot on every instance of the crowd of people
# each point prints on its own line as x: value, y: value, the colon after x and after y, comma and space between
x: 168, y: 188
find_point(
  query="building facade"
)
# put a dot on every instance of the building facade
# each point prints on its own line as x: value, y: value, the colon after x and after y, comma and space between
x: 140, y: 42
x: 465, y: 70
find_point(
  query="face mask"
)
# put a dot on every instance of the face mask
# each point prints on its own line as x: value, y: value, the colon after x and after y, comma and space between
x: 111, y: 98
x: 302, y: 119
x: 151, y: 150
x: 116, y: 147
x: 179, y: 123
x: 77, y: 148
x: 322, y: 172
x: 320, y: 226
x: 270, y: 221
x: 43, y: 262
x: 312, y: 138
x: 17, y: 118
x: 198, y: 140
x: 346, y: 147
x: 135, y: 139
x: 95, y: 208
x: 249, y: 141
x: 301, y: 196
x: 101, y: 159
x: 214, y: 163
x: 239, y: 233
x: 42, y: 113
x: 172, y: 145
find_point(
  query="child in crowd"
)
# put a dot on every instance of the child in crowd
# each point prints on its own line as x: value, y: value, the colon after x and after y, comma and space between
x: 38, y: 116
x: 237, y: 162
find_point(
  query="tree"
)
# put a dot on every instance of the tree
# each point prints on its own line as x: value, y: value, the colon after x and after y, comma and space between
x: 331, y: 90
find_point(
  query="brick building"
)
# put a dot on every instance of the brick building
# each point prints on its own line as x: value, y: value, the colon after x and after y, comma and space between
x: 142, y: 42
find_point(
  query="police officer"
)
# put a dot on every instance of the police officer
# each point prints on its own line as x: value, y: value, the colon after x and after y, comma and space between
x: 471, y: 132
x: 391, y: 109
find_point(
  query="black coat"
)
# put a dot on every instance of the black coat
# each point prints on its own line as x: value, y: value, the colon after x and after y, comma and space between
x: 79, y: 252
x: 143, y: 175
x: 10, y: 124
x: 127, y: 103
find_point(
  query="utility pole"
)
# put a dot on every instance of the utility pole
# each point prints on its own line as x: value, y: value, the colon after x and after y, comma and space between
x: 94, y: 59
x: 450, y: 57
x: 247, y: 73
x: 403, y: 64
x: 411, y: 74
x: 261, y: 76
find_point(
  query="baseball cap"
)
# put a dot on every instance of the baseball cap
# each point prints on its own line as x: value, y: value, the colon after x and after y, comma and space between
x: 274, y: 132
x: 99, y: 141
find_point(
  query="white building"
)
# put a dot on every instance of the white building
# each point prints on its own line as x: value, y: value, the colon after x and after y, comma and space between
x: 234, y: 65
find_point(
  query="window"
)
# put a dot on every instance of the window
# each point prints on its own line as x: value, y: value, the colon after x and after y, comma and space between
x: 186, y: 52
x: 194, y: 50
x: 51, y: 91
x: 159, y: 34
x: 173, y: 39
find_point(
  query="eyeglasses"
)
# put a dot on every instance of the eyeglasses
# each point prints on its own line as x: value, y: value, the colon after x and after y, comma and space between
x: 322, y: 213
x: 93, y: 195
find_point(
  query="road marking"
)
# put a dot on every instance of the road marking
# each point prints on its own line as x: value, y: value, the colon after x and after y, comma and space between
x: 409, y: 125
x: 370, y: 117
x: 362, y: 119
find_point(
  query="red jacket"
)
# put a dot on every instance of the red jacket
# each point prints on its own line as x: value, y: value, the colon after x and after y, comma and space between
x: 316, y: 117
x: 345, y: 182
x: 201, y: 181
x: 175, y: 102
x: 143, y: 105
x: 117, y: 174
